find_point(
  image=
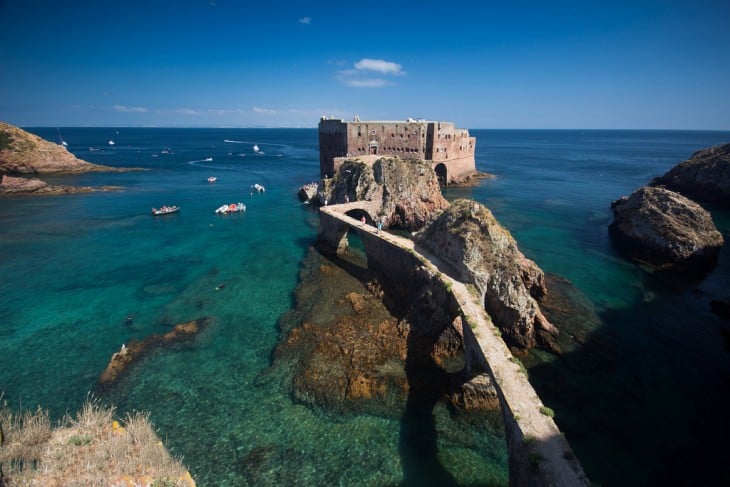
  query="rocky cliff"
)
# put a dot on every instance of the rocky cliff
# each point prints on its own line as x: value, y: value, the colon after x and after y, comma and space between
x: 24, y: 153
x: 666, y: 229
x: 703, y: 177
x: 406, y: 192
x: 469, y: 238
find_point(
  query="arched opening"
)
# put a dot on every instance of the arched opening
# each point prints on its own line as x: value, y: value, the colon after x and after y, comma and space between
x: 358, y: 214
x: 441, y: 174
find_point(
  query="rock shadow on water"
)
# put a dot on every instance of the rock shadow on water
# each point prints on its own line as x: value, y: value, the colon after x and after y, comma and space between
x: 642, y: 401
x: 427, y: 385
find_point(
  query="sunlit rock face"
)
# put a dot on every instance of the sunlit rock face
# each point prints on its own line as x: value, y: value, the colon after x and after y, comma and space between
x: 703, y: 177
x: 666, y: 229
x: 471, y: 240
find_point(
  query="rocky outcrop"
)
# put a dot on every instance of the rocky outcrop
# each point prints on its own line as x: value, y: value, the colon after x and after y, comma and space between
x: 666, y: 229
x: 343, y: 351
x: 407, y: 192
x: 12, y: 186
x: 308, y: 192
x: 703, y: 177
x: 130, y: 354
x: 24, y: 153
x: 482, y: 252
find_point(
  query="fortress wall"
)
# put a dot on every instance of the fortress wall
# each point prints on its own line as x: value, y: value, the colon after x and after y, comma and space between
x: 459, y: 168
x: 332, y: 143
x: 434, y: 141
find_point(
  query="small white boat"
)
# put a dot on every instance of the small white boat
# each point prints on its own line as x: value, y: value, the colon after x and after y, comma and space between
x: 208, y: 159
x: 255, y: 148
x: 62, y: 142
x: 259, y: 188
x: 165, y: 210
x: 232, y: 208
x: 111, y: 142
x: 212, y: 179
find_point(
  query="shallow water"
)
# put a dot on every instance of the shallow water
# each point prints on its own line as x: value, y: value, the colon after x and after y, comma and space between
x: 632, y: 400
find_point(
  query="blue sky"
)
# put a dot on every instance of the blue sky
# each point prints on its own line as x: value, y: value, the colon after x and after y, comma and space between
x: 507, y: 64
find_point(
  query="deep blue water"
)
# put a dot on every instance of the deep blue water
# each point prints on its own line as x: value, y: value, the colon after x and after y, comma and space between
x: 642, y: 401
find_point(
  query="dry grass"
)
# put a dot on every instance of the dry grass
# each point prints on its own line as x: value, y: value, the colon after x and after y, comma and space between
x: 89, y: 449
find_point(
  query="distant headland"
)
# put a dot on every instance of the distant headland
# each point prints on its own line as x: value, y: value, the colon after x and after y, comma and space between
x: 23, y: 154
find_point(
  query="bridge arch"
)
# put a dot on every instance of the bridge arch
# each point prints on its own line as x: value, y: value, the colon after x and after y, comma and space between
x: 358, y: 213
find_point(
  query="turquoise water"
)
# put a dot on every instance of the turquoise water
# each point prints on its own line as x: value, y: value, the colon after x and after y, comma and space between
x: 632, y: 400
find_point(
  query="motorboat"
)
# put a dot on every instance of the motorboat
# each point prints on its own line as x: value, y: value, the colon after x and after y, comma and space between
x: 232, y: 208
x: 259, y: 188
x: 212, y: 179
x: 257, y: 150
x: 111, y: 142
x: 208, y: 159
x: 165, y: 210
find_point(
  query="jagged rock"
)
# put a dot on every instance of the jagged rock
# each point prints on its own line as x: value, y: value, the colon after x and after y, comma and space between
x: 407, y: 191
x: 703, y: 177
x: 307, y: 192
x: 24, y: 153
x: 666, y: 229
x: 469, y: 238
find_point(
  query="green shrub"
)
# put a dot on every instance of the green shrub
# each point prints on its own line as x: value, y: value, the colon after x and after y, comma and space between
x: 79, y: 440
x: 547, y: 411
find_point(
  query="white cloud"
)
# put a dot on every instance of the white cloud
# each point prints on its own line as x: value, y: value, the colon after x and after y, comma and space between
x: 367, y: 82
x: 267, y: 111
x: 126, y: 109
x: 187, y: 111
x: 364, y: 70
x: 305, y: 20
x: 380, y: 66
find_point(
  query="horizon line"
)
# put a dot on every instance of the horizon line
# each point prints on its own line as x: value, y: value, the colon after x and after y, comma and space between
x: 307, y: 127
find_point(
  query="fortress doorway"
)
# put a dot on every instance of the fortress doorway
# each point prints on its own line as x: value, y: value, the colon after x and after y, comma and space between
x: 441, y: 173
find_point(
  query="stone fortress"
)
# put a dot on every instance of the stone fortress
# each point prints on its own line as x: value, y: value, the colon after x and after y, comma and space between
x: 450, y: 150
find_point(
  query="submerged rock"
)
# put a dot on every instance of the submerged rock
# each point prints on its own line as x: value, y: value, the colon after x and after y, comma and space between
x: 469, y: 238
x: 703, y: 177
x: 122, y: 360
x: 343, y: 351
x: 666, y: 229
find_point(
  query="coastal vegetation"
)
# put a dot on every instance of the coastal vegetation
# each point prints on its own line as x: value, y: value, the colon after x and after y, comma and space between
x: 90, y: 448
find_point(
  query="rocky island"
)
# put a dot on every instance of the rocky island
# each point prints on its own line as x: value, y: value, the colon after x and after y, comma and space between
x: 663, y: 225
x: 397, y: 334
x: 23, y: 154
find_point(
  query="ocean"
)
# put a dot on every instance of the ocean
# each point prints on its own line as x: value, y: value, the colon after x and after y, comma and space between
x: 642, y: 397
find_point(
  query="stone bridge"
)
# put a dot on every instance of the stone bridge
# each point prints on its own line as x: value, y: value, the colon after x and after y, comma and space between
x: 538, y: 452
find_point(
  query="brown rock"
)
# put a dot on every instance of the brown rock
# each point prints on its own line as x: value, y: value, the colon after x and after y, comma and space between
x: 703, y: 177
x: 122, y: 360
x: 406, y: 192
x: 666, y: 229
x: 13, y: 186
x: 24, y: 153
x: 469, y: 238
